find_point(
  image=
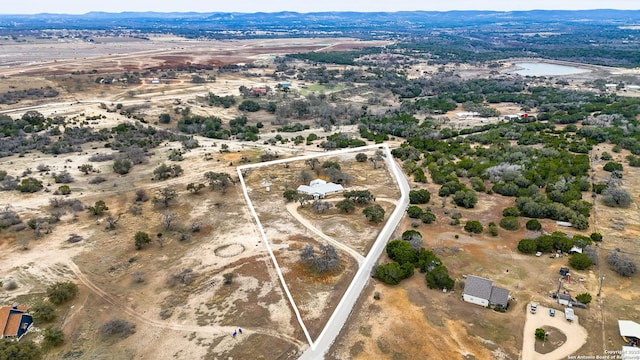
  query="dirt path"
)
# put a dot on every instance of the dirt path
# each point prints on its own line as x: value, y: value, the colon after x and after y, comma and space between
x: 576, y: 335
x: 210, y: 329
x: 292, y: 208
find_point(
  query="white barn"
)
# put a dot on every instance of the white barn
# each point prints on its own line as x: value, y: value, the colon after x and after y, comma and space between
x: 480, y: 291
x: 319, y: 188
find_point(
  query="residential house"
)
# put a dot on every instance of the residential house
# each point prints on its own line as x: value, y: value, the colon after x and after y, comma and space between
x: 14, y: 321
x: 319, y: 188
x: 481, y: 291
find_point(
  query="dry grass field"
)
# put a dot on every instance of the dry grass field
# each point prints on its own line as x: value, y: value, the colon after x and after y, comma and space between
x: 175, y: 292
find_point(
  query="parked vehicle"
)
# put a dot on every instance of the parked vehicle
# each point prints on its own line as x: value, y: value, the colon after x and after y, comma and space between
x: 534, y: 308
x: 552, y: 312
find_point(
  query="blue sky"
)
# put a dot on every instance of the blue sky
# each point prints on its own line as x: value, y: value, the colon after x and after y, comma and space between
x: 81, y: 7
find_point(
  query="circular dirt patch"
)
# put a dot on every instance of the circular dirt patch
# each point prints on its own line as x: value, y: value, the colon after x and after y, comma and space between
x: 229, y: 250
x: 555, y: 339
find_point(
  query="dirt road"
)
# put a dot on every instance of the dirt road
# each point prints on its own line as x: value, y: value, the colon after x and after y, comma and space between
x: 576, y: 334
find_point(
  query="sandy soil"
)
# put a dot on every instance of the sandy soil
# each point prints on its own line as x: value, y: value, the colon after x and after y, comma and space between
x: 576, y: 334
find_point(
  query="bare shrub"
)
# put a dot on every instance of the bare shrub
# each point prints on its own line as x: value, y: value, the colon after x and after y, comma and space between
x: 135, y: 209
x: 9, y: 217
x: 138, y: 277
x: 166, y: 313
x: 184, y: 277
x: 591, y: 252
x: 63, y: 177
x: 621, y: 263
x: 9, y: 183
x: 326, y: 261
x: 65, y: 204
x: 118, y: 327
x: 169, y: 220
x: 74, y: 238
x: 101, y: 157
x: 97, y: 180
x: 136, y: 154
x: 320, y: 207
x: 10, y: 285
x: 141, y: 195
x: 616, y: 197
x: 43, y: 168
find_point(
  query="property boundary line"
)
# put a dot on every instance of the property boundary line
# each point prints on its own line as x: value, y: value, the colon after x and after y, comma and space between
x: 239, y: 169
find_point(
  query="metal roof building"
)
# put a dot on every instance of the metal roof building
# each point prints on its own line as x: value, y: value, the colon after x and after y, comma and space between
x: 319, y: 188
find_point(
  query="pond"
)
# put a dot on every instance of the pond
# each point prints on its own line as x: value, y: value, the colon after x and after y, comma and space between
x: 546, y: 69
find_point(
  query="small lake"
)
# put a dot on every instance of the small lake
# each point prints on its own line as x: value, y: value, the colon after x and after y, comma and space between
x: 546, y: 69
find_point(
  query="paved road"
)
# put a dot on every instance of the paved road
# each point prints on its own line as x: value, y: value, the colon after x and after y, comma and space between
x: 576, y: 334
x: 342, y: 311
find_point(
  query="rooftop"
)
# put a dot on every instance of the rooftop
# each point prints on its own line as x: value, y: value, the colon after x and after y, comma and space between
x: 629, y: 328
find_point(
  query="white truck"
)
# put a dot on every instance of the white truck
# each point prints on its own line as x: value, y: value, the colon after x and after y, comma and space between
x: 534, y: 308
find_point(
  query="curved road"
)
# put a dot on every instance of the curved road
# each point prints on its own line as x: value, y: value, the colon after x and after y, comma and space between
x: 342, y: 311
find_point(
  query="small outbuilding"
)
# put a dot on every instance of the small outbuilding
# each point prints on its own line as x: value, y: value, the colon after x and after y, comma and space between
x: 480, y: 291
x: 565, y: 299
x: 14, y: 321
x: 319, y: 188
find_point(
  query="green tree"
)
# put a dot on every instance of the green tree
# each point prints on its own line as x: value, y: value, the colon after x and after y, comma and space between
x: 218, y: 181
x: 533, y: 225
x: 510, y: 223
x: 596, y: 236
x: 19, y: 350
x: 43, y: 312
x: 374, y: 213
x: 527, y: 246
x: 165, y: 197
x: 360, y: 197
x: 428, y: 217
x: 164, y: 118
x: 580, y: 261
x: 53, y: 337
x: 584, y: 298
x: 426, y: 260
x: 86, y: 168
x: 64, y: 190
x: 414, y: 212
x: 439, y: 278
x: 61, y: 292
x: 30, y: 185
x: 392, y: 273
x: 421, y: 196
x: 164, y: 171
x: 466, y: 198
x: 122, y: 166
x: 361, y: 157
x: 540, y: 334
x: 612, y: 166
x: 98, y: 208
x: 473, y: 226
x: 290, y: 195
x: 141, y: 239
x: 195, y: 188
x: 249, y: 105
x: 493, y: 229
x: 401, y: 251
x: 511, y: 211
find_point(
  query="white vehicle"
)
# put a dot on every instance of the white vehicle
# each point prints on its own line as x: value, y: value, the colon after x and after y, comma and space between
x: 534, y: 308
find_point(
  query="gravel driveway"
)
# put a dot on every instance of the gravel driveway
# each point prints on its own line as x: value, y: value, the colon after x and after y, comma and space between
x: 576, y: 334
